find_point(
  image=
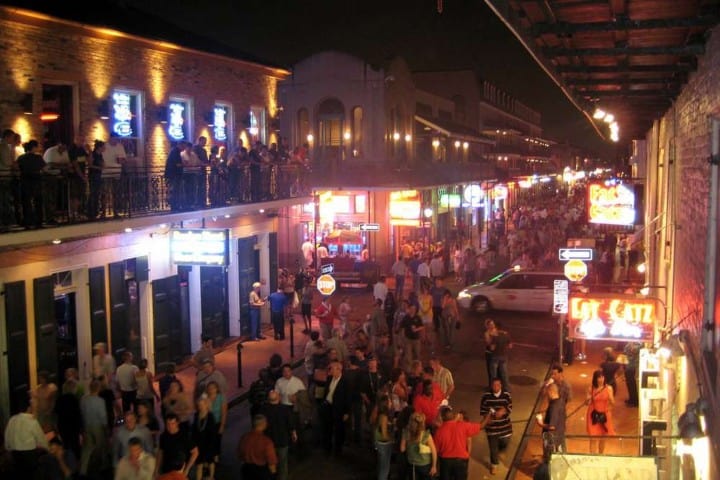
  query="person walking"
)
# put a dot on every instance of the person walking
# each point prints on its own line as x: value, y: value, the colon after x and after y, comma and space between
x: 452, y: 441
x: 325, y: 315
x: 256, y: 303
x: 278, y: 301
x: 449, y: 318
x: 632, y: 355
x: 419, y: 448
x: 344, y: 310
x: 598, y: 418
x: 500, y: 346
x: 399, y: 269
x: 497, y: 405
x: 383, y: 435
x: 125, y: 376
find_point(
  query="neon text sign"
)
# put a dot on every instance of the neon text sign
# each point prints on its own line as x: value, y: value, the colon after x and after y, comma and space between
x: 611, y: 204
x: 612, y: 317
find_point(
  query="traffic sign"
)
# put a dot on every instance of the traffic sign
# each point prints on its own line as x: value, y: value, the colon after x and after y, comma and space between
x: 327, y: 268
x: 560, y: 296
x: 576, y: 270
x: 326, y: 284
x: 585, y: 254
x: 370, y: 227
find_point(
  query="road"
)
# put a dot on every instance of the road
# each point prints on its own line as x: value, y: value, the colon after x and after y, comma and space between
x: 535, y: 340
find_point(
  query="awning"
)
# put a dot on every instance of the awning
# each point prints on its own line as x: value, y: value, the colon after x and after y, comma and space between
x: 455, y: 130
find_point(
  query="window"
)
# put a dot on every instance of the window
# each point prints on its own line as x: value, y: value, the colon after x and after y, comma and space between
x: 515, y: 282
x: 423, y: 109
x: 303, y: 126
x: 258, y: 127
x: 331, y: 115
x: 220, y: 116
x: 125, y: 119
x: 178, y: 126
x: 357, y: 126
x: 460, y: 113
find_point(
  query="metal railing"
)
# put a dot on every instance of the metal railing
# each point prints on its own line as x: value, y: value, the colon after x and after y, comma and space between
x: 60, y: 199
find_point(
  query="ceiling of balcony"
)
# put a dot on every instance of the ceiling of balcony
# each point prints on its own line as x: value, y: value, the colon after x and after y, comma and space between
x: 627, y: 57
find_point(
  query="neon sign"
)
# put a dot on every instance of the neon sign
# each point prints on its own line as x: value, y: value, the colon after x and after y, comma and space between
x: 405, y: 208
x: 611, y: 204
x: 474, y: 195
x: 176, y: 123
x: 612, y: 317
x: 122, y: 114
x: 220, y: 123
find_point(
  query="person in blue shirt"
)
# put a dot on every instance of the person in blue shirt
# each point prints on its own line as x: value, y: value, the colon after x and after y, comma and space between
x: 278, y: 300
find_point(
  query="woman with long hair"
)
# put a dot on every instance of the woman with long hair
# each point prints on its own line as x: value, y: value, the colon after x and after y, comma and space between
x: 204, y: 433
x: 419, y: 448
x: 600, y: 399
x: 383, y: 435
x: 449, y: 317
x: 219, y: 409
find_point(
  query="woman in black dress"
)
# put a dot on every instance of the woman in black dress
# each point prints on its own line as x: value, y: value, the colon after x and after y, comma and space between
x: 205, y: 432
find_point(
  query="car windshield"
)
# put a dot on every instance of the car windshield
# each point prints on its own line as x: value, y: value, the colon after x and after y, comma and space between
x: 500, y: 276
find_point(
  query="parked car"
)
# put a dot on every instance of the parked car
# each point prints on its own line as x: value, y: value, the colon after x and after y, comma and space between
x: 514, y: 289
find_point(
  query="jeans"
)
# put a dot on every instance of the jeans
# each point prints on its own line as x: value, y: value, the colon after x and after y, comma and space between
x: 448, y: 326
x: 399, y: 286
x: 278, y: 321
x: 282, y: 465
x: 384, y: 450
x: 453, y: 468
x: 496, y: 445
x: 254, y: 323
x: 419, y: 472
x: 498, y: 368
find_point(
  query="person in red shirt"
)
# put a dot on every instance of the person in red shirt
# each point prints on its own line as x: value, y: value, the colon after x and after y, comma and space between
x: 451, y: 441
x: 257, y: 452
x: 437, y: 393
x: 427, y: 403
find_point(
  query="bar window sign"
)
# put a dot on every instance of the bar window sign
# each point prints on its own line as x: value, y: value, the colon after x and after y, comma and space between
x: 177, y: 121
x: 199, y: 246
x: 124, y: 114
x: 220, y: 115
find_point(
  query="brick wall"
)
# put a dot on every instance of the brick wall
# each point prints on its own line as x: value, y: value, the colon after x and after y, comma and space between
x: 38, y: 51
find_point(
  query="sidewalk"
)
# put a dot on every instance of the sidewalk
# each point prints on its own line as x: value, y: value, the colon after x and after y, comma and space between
x: 625, y: 419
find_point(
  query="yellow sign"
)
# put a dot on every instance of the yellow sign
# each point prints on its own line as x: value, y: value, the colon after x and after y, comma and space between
x: 576, y: 270
x: 326, y: 284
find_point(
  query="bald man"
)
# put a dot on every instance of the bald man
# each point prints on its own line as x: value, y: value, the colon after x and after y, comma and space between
x: 280, y: 429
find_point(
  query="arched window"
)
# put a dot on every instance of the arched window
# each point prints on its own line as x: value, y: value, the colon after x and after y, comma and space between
x: 356, y: 133
x: 303, y: 126
x: 331, y: 115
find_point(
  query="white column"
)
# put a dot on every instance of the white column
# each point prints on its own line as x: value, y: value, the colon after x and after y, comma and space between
x: 233, y: 290
x: 194, y: 290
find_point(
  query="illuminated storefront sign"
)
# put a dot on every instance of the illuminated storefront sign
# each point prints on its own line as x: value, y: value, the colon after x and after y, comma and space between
x: 405, y: 208
x: 450, y: 200
x: 619, y: 317
x: 474, y: 195
x: 611, y: 204
x: 500, y: 192
x: 199, y: 247
x: 220, y: 129
x: 176, y: 122
x: 123, y: 123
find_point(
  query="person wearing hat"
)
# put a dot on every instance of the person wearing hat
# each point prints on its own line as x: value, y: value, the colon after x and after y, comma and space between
x: 103, y: 363
x: 256, y: 303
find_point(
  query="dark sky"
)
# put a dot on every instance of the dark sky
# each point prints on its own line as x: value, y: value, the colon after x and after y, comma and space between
x: 466, y: 35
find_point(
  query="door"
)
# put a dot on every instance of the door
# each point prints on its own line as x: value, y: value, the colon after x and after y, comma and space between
x: 169, y: 340
x: 248, y: 268
x: 542, y: 292
x: 512, y: 293
x: 213, y: 303
x: 17, y: 343
x: 119, y: 327
x: 273, y: 254
x: 98, y: 307
x: 65, y: 319
x: 45, y: 327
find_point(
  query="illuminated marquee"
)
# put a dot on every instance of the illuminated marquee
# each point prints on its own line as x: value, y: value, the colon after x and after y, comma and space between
x: 619, y: 317
x: 450, y: 200
x: 199, y: 247
x: 405, y: 208
x: 611, y: 204
x: 474, y: 195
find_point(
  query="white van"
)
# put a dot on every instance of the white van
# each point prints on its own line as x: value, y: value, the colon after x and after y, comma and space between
x: 514, y: 289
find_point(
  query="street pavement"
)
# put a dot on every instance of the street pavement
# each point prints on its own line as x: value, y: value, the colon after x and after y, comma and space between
x: 533, y: 352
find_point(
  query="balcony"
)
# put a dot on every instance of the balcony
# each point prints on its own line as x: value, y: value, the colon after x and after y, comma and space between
x: 96, y: 206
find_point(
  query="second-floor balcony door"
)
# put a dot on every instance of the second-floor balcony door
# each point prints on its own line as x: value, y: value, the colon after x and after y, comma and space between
x: 330, y: 139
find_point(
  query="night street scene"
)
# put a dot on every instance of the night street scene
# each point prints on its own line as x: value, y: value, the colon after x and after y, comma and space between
x: 342, y: 239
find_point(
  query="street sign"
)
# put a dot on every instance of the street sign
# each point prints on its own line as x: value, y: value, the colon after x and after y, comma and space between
x: 326, y: 284
x: 327, y: 268
x: 370, y: 227
x: 584, y: 254
x: 560, y: 296
x: 576, y: 270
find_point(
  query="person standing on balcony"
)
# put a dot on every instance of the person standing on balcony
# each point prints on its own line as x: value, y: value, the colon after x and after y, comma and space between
x: 173, y: 176
x: 200, y: 151
x: 192, y: 175
x: 114, y: 158
x: 32, y: 166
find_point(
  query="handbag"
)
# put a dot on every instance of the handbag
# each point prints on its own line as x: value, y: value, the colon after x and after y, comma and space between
x: 595, y: 416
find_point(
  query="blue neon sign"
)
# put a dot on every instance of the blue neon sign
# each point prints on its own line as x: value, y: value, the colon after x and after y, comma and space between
x: 122, y: 114
x: 220, y: 123
x: 176, y: 122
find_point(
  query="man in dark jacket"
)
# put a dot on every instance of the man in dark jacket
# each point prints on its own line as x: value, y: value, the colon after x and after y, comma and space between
x: 335, y: 410
x: 281, y: 430
x: 173, y: 176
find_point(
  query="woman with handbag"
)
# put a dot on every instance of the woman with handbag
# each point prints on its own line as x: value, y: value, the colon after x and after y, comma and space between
x: 419, y: 449
x: 600, y: 400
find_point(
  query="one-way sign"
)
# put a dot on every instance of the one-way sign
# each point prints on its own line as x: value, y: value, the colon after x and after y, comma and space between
x: 585, y: 254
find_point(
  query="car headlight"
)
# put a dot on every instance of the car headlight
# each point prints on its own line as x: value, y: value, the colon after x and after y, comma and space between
x: 464, y: 294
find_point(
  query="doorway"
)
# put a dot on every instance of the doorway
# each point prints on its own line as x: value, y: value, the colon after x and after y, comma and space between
x: 66, y: 321
x: 214, y: 303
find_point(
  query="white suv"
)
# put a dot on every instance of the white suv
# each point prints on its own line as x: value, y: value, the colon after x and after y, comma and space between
x: 514, y: 289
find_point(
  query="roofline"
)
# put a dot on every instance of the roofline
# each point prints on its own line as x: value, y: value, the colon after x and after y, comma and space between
x: 467, y: 137
x: 276, y: 72
x: 496, y: 6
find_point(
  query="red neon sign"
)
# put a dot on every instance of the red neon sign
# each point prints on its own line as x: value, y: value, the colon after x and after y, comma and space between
x: 611, y: 204
x: 617, y: 317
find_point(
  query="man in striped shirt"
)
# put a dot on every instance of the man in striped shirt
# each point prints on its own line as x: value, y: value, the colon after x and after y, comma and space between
x: 497, y: 404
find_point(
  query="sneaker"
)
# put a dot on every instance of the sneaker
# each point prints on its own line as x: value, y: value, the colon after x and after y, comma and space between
x: 493, y: 469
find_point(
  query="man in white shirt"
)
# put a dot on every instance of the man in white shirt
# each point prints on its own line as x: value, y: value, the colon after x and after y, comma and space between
x: 125, y: 376
x: 114, y: 157
x: 288, y: 386
x: 442, y: 376
x: 380, y: 290
x: 437, y: 268
x: 399, y: 269
x: 57, y: 157
x: 103, y: 363
x: 137, y: 464
x: 423, y: 273
x: 23, y: 436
